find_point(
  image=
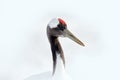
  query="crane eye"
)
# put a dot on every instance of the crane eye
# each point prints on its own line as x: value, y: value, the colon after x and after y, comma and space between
x: 61, y: 27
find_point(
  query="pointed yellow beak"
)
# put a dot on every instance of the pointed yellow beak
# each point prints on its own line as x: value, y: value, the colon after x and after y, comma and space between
x: 68, y: 34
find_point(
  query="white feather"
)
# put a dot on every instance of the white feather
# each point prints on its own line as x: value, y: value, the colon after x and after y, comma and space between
x: 53, y: 23
x: 60, y: 73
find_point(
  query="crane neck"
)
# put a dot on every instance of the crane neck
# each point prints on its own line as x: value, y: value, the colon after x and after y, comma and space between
x: 57, y: 52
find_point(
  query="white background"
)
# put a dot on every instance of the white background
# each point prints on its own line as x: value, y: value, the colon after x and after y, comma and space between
x: 25, y: 50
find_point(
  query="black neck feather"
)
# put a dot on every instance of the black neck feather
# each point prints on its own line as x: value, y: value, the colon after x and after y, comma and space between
x: 56, y: 50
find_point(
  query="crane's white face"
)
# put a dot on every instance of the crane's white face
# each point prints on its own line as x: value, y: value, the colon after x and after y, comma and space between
x: 53, y: 23
x: 57, y: 27
x: 57, y: 23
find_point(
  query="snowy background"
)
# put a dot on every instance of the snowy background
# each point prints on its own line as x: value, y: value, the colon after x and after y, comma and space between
x: 25, y: 50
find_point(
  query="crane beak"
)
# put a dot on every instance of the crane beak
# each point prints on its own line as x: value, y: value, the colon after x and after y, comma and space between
x: 72, y: 37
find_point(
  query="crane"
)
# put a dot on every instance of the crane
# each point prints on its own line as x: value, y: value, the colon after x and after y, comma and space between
x: 58, y: 28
